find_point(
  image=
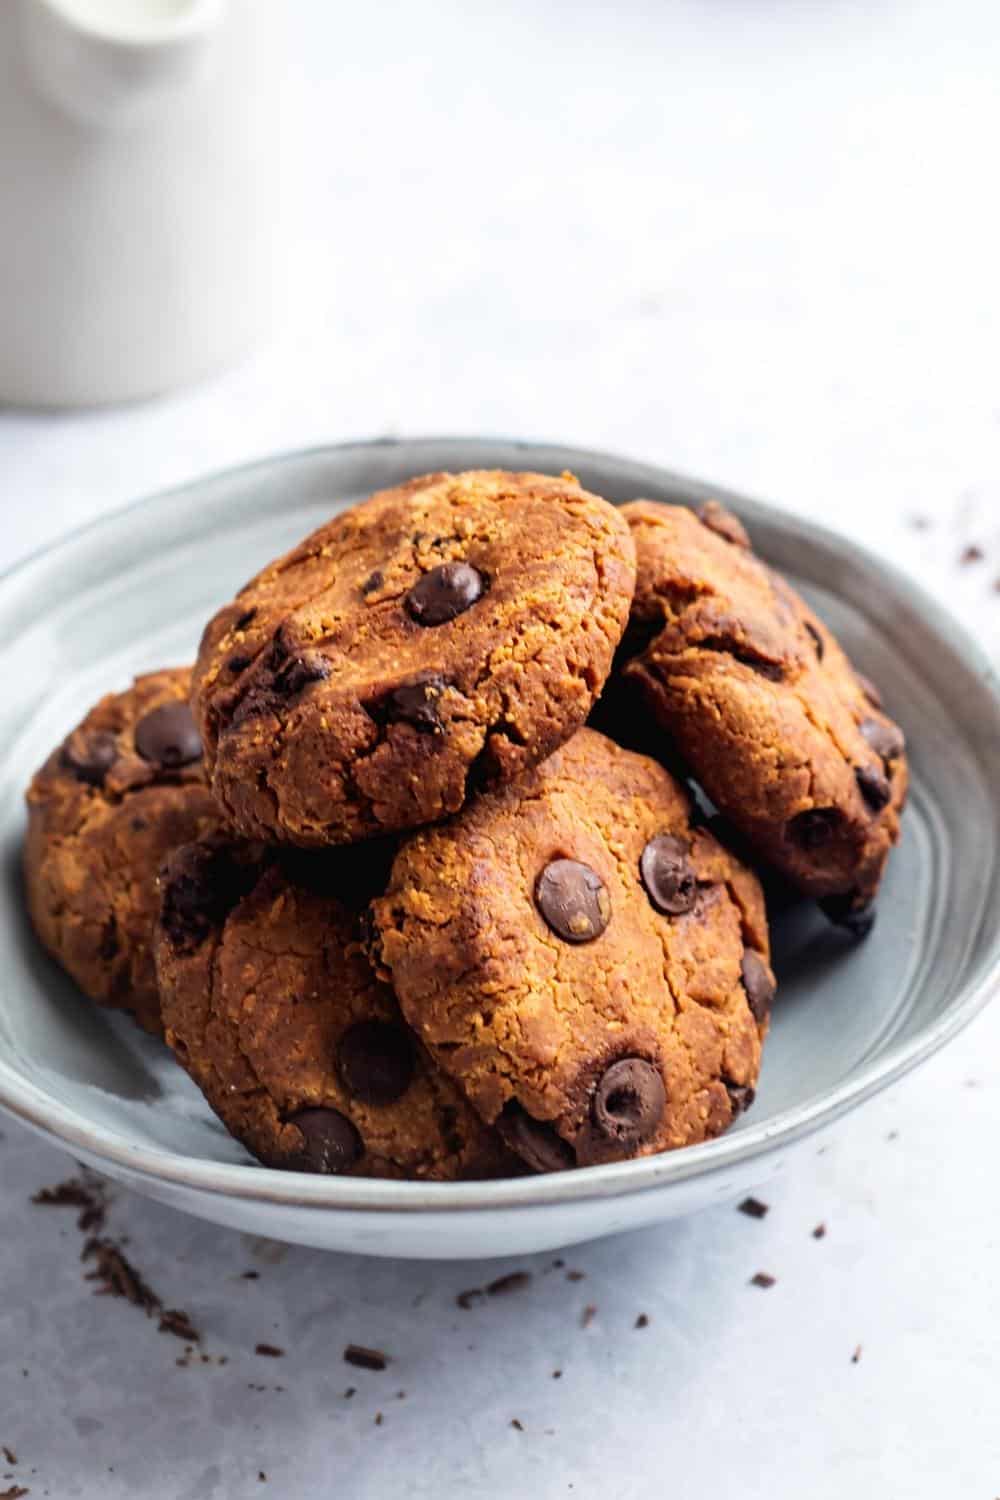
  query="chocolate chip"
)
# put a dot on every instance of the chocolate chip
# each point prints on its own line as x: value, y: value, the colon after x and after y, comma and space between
x: 376, y: 1061
x: 885, y: 739
x: 331, y: 1143
x: 741, y: 1096
x: 239, y: 662
x: 668, y: 875
x: 444, y: 593
x: 246, y: 619
x: 573, y: 900
x: 629, y: 1102
x: 856, y: 917
x: 535, y: 1141
x: 722, y: 521
x: 201, y: 885
x: 374, y: 581
x: 873, y: 786
x: 814, y: 828
x: 869, y: 689
x: 759, y: 984
x: 416, y: 703
x: 168, y: 736
x: 90, y: 756
x: 818, y: 642
x: 300, y: 671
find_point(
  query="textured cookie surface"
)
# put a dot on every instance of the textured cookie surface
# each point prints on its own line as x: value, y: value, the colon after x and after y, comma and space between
x: 124, y: 789
x: 591, y: 969
x: 437, y: 637
x: 272, y: 1007
x: 787, y: 739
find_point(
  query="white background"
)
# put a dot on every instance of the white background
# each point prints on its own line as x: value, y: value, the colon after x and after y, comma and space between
x: 755, y: 241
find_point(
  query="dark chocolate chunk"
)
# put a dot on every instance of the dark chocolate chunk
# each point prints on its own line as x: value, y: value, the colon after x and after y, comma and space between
x: 885, y: 739
x: 856, y: 917
x: 300, y: 671
x: 416, y: 703
x: 536, y: 1141
x: 753, y: 1208
x: 668, y: 875
x: 331, y: 1143
x: 201, y: 885
x: 629, y: 1101
x: 758, y: 983
x: 90, y: 756
x: 722, y: 521
x: 815, y: 827
x: 741, y: 1096
x: 168, y: 736
x: 376, y: 1061
x: 374, y: 581
x: 365, y: 1359
x: 444, y: 593
x: 818, y: 642
x: 573, y: 900
x: 874, y: 787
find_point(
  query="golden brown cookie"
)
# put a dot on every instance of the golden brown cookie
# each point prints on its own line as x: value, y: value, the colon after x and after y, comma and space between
x: 788, y: 740
x: 271, y: 1006
x: 440, y: 636
x: 592, y: 970
x: 124, y: 789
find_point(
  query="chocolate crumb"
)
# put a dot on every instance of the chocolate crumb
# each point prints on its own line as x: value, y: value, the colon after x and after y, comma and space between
x: 174, y: 1320
x: 76, y: 1192
x: 588, y: 1315
x: 351, y: 1390
x: 269, y: 1351
x: 511, y: 1283
x: 575, y: 1275
x: 516, y: 1424
x: 856, y: 1356
x: 467, y: 1299
x: 642, y: 1321
x: 972, y: 554
x: 118, y: 1277
x: 400, y: 1395
x: 379, y: 1419
x: 753, y: 1208
x: 557, y: 1374
x: 250, y: 1276
x: 15, y: 1492
x: 365, y: 1359
x: 262, y: 1476
x: 819, y: 1232
x: 762, y: 1278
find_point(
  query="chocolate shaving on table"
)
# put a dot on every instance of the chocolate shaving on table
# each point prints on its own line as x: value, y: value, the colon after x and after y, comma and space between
x: 753, y: 1208
x: 365, y: 1359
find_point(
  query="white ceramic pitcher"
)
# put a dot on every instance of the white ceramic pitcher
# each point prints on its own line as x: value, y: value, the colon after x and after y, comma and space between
x: 137, y: 150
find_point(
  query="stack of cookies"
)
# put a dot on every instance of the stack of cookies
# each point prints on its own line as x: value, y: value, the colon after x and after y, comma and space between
x: 388, y: 873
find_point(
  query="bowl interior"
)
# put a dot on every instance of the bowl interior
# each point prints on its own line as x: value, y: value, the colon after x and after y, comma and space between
x: 133, y: 593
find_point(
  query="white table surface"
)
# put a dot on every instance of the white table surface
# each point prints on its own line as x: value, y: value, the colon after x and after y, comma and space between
x: 757, y: 242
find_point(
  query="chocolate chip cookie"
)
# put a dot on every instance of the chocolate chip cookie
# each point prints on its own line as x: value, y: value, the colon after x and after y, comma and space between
x: 273, y: 1009
x: 788, y: 740
x: 124, y: 789
x: 439, y: 637
x: 590, y: 968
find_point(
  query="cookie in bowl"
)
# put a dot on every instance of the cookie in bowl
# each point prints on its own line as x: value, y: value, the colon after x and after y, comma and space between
x: 438, y: 637
x: 123, y: 789
x: 789, y: 741
x: 590, y: 967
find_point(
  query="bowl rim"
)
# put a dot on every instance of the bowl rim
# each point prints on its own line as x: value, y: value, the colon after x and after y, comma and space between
x: 44, y: 1113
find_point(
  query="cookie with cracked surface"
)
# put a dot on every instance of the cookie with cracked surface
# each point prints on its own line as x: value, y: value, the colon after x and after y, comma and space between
x: 441, y: 635
x: 271, y: 1006
x: 592, y: 970
x: 788, y: 740
x: 124, y: 789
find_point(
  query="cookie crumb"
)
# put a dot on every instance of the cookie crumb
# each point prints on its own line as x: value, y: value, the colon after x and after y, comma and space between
x: 467, y: 1299
x: 516, y: 1424
x: 819, y: 1232
x: 575, y: 1275
x: 856, y: 1356
x: 174, y: 1320
x: 513, y: 1282
x: 262, y: 1476
x: 558, y: 1263
x: 250, y: 1276
x: 754, y: 1208
x: 269, y: 1351
x: 117, y: 1276
x: 379, y: 1419
x: 557, y: 1374
x: 365, y: 1359
x: 642, y: 1321
x: 15, y: 1492
x: 972, y: 554
x: 762, y: 1278
x: 588, y: 1315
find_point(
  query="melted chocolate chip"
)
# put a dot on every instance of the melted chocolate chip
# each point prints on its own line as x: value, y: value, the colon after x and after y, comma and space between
x: 201, y: 885
x: 629, y: 1101
x: 668, y: 875
x: 869, y: 689
x: 885, y: 739
x: 376, y: 1061
x: 299, y: 671
x: 759, y: 984
x: 722, y: 521
x: 573, y: 900
x: 374, y: 581
x: 855, y: 916
x: 814, y: 828
x: 416, y: 703
x: 239, y: 662
x: 168, y: 736
x: 873, y: 786
x: 331, y: 1143
x: 90, y: 756
x: 246, y: 619
x: 444, y: 593
x: 819, y: 645
x: 535, y: 1141
x: 741, y: 1096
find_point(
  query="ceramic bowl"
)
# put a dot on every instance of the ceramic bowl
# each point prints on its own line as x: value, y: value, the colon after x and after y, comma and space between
x: 131, y: 593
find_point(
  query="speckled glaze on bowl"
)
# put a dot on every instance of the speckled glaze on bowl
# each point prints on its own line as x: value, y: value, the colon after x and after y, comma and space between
x: 131, y: 593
